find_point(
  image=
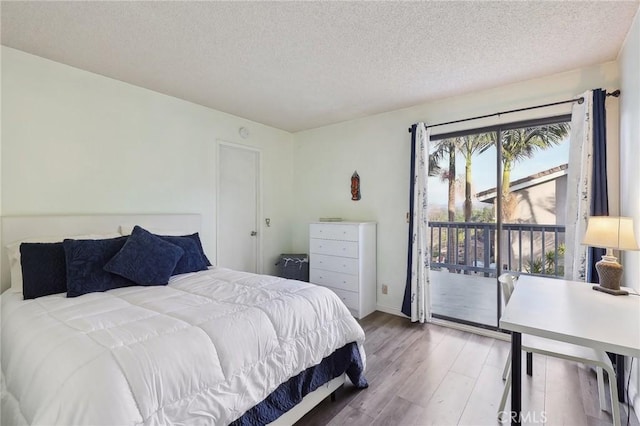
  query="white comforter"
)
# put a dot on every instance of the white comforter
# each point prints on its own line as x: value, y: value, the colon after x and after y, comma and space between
x: 201, y: 350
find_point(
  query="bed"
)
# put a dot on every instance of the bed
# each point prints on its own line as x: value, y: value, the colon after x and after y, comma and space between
x: 214, y: 346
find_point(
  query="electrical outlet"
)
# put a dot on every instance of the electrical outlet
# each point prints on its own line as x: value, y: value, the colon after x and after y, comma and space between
x: 385, y: 289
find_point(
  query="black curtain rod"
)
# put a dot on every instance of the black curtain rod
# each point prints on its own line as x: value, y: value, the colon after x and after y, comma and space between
x: 580, y: 100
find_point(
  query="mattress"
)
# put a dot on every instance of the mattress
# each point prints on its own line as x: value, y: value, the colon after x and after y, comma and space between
x: 204, y: 349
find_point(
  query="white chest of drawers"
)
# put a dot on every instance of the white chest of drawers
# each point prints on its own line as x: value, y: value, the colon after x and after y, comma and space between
x: 343, y: 258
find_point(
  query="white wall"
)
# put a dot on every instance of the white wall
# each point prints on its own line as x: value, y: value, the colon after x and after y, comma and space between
x: 75, y: 142
x: 378, y: 148
x: 1, y: 244
x: 629, y: 62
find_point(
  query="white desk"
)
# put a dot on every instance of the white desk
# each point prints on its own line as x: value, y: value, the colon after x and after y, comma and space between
x: 571, y: 312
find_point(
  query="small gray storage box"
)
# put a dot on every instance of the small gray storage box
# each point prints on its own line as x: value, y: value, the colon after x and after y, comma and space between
x: 293, y: 266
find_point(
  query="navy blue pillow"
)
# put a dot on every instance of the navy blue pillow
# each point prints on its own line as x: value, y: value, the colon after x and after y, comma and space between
x: 196, y: 237
x: 85, y: 261
x: 193, y: 259
x: 145, y: 259
x: 44, y: 271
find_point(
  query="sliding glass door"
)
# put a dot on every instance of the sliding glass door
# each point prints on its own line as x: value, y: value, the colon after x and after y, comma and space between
x: 493, y: 210
x: 463, y: 230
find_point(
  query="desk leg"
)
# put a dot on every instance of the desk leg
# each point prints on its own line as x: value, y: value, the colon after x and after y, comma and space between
x: 516, y: 377
x: 620, y: 377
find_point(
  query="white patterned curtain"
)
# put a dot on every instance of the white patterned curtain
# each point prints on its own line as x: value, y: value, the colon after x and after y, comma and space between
x: 417, y: 304
x: 579, y: 188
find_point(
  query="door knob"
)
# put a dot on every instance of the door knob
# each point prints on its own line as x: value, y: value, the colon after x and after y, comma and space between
x: 254, y: 233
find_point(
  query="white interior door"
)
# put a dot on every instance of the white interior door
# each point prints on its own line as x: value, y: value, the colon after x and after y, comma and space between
x: 238, y: 195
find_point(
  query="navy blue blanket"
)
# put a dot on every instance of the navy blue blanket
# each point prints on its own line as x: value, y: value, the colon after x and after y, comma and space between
x: 287, y: 395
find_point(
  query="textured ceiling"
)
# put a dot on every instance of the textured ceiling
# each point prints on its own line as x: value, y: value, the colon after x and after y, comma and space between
x: 300, y: 65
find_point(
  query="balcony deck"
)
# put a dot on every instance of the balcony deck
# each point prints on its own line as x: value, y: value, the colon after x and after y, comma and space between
x: 471, y: 298
x: 463, y: 275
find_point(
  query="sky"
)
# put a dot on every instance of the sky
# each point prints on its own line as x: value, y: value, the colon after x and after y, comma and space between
x: 484, y: 171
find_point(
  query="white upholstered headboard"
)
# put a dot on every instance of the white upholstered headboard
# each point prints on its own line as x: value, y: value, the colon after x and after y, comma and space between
x: 15, y: 228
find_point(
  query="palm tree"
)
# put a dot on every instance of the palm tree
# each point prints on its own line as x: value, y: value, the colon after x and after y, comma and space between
x: 445, y: 148
x: 468, y: 146
x: 519, y: 144
x: 451, y: 177
x: 434, y: 163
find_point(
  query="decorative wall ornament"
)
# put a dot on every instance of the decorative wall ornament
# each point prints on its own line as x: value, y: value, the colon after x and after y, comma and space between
x: 355, y: 186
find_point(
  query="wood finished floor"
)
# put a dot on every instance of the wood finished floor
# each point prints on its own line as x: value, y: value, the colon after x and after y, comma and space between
x: 424, y: 374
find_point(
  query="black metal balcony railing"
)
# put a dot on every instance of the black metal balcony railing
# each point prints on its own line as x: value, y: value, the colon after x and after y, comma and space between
x: 469, y: 247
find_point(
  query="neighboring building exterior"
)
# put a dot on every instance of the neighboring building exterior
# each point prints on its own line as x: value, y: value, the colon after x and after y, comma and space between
x: 541, y: 199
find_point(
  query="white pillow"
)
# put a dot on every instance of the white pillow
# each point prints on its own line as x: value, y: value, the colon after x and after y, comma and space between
x: 13, y: 252
x: 126, y: 230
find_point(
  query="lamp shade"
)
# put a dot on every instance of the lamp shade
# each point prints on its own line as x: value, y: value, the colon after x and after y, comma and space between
x: 610, y: 232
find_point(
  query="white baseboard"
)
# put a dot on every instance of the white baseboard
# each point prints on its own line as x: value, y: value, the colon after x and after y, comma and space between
x: 390, y: 310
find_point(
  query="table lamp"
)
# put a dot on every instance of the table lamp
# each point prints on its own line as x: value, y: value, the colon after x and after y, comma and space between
x: 612, y: 233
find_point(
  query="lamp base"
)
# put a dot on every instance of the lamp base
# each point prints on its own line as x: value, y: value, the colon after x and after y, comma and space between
x: 610, y: 291
x: 609, y: 272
